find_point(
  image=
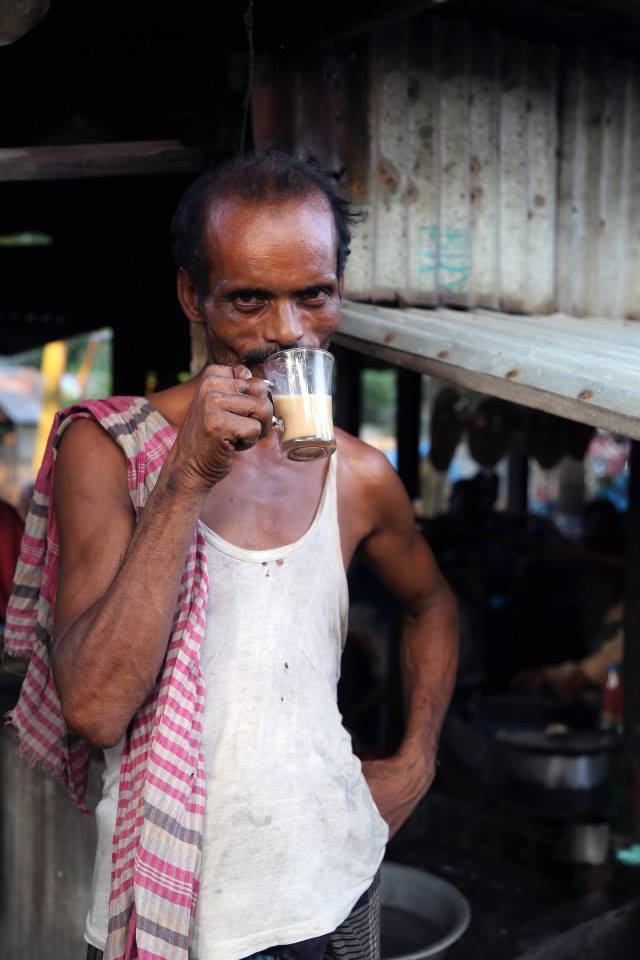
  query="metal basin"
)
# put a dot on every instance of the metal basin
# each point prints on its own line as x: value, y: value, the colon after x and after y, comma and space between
x: 422, y: 915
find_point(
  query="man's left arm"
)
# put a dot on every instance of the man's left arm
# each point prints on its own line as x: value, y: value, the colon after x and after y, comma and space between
x: 400, y: 557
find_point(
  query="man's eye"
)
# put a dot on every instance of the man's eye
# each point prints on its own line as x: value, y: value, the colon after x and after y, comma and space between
x: 248, y: 300
x: 316, y: 295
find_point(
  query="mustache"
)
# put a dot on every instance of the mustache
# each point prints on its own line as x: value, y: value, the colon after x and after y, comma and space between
x: 256, y: 357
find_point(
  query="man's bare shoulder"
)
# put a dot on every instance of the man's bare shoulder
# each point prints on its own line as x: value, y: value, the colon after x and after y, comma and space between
x: 363, y: 465
x: 83, y: 438
x: 88, y: 458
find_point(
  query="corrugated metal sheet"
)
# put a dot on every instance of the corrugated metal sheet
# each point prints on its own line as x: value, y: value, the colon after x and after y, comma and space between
x: 493, y: 172
x: 502, y: 174
x: 463, y: 169
x: 585, y: 369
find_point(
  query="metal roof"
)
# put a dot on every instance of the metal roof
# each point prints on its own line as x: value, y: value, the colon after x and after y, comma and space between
x: 585, y: 369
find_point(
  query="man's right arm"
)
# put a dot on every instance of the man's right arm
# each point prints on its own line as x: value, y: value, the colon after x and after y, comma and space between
x: 118, y: 581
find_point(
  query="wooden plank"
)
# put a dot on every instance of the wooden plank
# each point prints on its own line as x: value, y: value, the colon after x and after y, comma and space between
x: 585, y: 370
x: 76, y: 161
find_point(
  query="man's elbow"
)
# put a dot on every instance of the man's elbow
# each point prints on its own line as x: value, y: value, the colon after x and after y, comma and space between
x: 84, y: 719
x: 440, y: 602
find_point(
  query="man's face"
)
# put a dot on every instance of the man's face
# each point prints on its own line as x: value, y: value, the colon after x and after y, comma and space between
x: 272, y: 278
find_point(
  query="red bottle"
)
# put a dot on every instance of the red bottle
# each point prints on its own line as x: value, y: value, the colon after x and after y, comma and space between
x: 611, y: 712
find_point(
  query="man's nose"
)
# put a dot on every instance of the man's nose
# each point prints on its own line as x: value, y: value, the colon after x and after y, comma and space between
x: 284, y: 324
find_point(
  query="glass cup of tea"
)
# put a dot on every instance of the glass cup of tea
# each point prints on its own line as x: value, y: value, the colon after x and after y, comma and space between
x: 300, y: 381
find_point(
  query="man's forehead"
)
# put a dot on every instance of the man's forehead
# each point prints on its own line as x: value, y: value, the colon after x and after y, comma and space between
x: 238, y: 227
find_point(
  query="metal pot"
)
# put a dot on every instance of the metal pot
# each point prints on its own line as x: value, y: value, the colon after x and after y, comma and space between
x: 586, y: 844
x: 422, y: 915
x: 559, y: 767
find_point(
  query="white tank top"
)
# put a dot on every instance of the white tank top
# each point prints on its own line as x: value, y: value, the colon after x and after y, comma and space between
x: 292, y: 837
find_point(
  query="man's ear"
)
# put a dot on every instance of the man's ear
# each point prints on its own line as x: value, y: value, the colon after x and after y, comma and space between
x: 188, y: 297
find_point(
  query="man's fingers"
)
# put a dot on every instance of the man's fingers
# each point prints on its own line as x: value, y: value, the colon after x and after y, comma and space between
x: 212, y: 384
x: 257, y: 410
x: 240, y: 431
x: 218, y: 370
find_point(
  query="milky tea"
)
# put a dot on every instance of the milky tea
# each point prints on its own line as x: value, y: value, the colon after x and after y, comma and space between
x: 301, y: 394
x: 307, y: 431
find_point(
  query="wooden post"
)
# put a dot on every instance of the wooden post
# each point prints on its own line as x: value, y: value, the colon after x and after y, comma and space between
x: 632, y: 641
x: 518, y: 475
x: 408, y: 429
x: 348, y: 411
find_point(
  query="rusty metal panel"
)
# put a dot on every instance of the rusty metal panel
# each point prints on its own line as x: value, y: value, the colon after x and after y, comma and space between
x: 491, y: 171
x: 423, y: 166
x: 462, y: 181
x: 514, y: 162
x: 542, y: 146
x: 631, y: 263
x: 484, y: 169
x: 598, y: 236
x: 454, y: 254
x: 389, y: 164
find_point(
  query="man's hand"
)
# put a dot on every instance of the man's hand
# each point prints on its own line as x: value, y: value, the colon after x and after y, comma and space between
x: 230, y: 411
x: 397, y: 785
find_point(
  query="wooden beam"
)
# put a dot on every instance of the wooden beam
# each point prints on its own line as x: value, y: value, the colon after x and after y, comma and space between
x: 17, y: 19
x: 408, y: 411
x: 584, y: 369
x: 632, y: 641
x: 368, y: 15
x: 77, y: 161
x: 348, y: 409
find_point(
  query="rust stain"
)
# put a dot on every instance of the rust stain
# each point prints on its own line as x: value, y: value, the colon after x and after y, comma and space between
x: 539, y: 200
x: 389, y: 338
x: 279, y: 562
x: 585, y: 395
x: 388, y: 175
x: 411, y: 193
x: 443, y: 355
x: 511, y: 374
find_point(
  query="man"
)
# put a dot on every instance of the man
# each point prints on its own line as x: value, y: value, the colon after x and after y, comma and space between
x: 293, y: 830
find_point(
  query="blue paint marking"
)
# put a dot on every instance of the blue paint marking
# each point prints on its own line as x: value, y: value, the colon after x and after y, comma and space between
x: 446, y: 252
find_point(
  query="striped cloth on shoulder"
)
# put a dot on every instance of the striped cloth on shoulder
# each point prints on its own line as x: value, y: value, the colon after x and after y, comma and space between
x: 159, y: 823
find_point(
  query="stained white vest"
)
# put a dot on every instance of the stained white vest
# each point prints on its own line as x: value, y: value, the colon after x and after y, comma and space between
x: 292, y: 837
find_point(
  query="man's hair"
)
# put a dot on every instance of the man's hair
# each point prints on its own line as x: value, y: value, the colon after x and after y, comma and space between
x: 261, y: 178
